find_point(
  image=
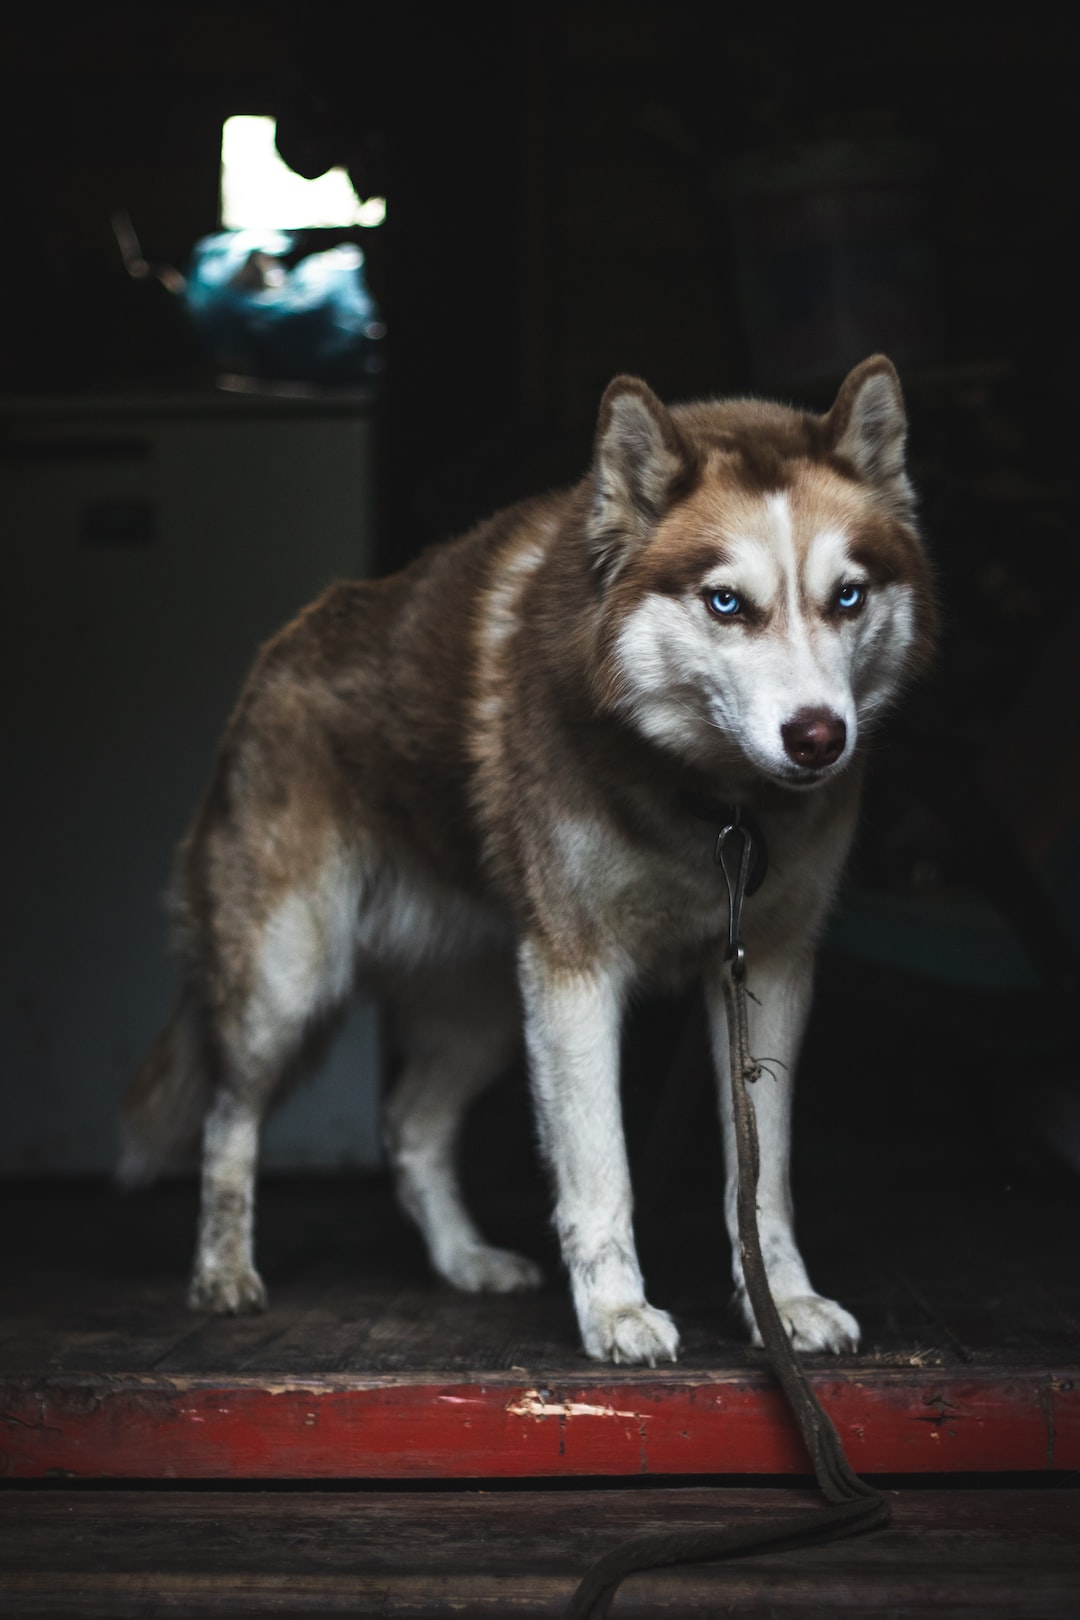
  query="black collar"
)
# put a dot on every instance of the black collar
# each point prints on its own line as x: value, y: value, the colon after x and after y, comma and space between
x: 720, y: 815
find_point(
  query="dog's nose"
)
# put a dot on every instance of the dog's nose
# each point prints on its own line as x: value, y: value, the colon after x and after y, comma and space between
x: 814, y: 738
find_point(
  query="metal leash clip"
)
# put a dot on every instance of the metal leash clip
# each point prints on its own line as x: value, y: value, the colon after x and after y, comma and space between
x: 736, y: 870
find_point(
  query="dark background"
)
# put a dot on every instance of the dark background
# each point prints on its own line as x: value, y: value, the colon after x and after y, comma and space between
x: 560, y: 209
x: 557, y: 206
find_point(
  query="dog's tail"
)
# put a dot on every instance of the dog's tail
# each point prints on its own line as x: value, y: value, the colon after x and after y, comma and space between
x: 166, y: 1102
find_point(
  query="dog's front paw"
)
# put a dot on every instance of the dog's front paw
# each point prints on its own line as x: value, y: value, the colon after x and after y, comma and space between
x: 632, y: 1334
x: 814, y: 1323
x: 236, y: 1292
x: 481, y: 1269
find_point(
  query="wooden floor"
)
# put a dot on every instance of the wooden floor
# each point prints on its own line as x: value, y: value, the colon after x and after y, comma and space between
x: 366, y: 1367
x: 377, y: 1444
x: 978, y: 1273
x: 971, y: 1555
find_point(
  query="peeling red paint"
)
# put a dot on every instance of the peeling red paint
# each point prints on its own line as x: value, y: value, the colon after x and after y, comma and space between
x: 898, y: 1421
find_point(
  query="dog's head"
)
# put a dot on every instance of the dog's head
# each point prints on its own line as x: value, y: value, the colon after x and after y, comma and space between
x: 764, y: 589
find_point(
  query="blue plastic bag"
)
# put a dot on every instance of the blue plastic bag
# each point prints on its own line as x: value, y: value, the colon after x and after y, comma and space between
x: 313, y: 323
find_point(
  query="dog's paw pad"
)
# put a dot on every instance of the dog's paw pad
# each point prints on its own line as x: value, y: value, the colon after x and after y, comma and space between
x: 238, y: 1292
x: 481, y: 1269
x: 814, y: 1323
x: 632, y: 1334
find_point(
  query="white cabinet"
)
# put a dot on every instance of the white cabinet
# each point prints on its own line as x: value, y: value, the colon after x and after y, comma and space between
x: 149, y: 546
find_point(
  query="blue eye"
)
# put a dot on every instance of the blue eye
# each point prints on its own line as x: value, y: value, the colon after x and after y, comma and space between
x: 725, y: 604
x: 850, y: 597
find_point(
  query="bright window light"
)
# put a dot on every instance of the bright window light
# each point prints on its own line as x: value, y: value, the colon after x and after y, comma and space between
x: 260, y: 192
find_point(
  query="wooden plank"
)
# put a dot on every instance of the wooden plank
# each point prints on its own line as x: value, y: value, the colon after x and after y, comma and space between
x: 897, y: 1420
x: 433, y: 1329
x: 366, y: 1366
x: 971, y: 1554
x: 97, y: 1283
x: 990, y: 1290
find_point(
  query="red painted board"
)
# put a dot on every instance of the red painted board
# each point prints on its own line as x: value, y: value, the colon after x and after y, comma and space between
x: 891, y: 1421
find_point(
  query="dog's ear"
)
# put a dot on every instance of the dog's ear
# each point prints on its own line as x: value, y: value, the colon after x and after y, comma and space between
x: 640, y: 465
x: 867, y: 426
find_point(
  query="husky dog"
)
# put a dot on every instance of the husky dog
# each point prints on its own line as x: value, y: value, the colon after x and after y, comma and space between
x: 471, y: 784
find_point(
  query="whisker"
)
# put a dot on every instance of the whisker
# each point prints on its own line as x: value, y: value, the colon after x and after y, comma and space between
x: 698, y: 716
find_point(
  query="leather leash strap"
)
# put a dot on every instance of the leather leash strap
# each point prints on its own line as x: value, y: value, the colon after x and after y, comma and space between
x: 855, y: 1506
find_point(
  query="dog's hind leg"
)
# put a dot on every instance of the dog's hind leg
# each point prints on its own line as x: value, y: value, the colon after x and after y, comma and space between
x: 295, y: 967
x: 225, y: 1279
x: 457, y: 1029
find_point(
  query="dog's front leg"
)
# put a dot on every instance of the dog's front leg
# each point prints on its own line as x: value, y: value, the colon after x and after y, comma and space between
x: 572, y: 1024
x: 776, y: 1016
